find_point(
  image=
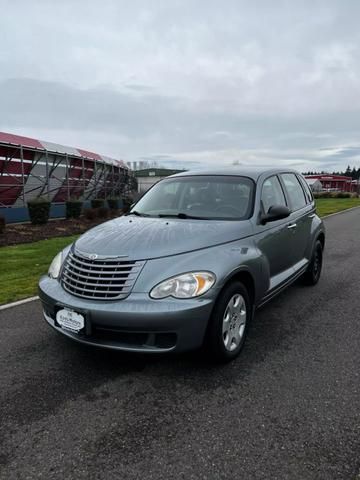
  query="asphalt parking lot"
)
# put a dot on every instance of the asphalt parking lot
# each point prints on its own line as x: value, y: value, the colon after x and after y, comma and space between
x: 288, y: 408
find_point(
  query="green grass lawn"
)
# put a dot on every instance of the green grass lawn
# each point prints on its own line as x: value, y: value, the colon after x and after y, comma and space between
x: 325, y: 206
x: 22, y: 265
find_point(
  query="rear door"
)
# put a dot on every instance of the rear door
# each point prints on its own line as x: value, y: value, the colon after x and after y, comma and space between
x: 299, y: 222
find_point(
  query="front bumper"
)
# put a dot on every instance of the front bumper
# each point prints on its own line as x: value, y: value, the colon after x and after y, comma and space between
x: 136, y: 323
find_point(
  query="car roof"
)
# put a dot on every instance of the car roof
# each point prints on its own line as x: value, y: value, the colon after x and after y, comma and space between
x: 252, y: 172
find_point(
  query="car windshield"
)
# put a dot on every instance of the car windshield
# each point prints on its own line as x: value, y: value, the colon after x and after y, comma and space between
x: 200, y: 197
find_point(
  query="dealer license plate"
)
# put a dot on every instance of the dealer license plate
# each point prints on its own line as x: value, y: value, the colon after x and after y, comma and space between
x: 70, y: 320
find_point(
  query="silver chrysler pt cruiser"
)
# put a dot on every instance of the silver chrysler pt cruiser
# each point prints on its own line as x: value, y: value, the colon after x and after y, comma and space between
x: 189, y: 264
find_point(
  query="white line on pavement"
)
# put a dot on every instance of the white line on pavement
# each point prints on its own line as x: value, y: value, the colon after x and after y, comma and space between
x: 341, y: 211
x: 20, y: 302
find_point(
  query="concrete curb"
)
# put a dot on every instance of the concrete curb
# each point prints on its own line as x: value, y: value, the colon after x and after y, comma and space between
x: 32, y: 299
x: 342, y: 211
x: 20, y: 302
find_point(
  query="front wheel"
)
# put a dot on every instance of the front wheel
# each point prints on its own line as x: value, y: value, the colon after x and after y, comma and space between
x: 312, y: 274
x: 229, y: 323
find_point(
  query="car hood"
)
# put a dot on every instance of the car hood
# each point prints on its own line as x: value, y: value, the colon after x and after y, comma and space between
x: 141, y: 238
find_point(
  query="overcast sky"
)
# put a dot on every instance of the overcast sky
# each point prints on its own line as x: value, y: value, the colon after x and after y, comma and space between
x: 187, y: 83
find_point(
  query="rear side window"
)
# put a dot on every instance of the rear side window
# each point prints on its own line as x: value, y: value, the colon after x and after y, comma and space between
x: 307, y: 189
x: 294, y: 190
x: 272, y: 194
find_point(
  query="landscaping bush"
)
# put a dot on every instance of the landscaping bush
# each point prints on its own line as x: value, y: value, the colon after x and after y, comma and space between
x: 326, y: 194
x: 127, y: 202
x: 2, y: 224
x: 90, y: 213
x: 343, y: 195
x: 97, y: 203
x: 103, y: 212
x: 73, y: 208
x: 39, y: 210
x: 113, y: 203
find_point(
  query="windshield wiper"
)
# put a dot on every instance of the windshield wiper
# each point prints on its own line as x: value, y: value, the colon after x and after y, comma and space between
x: 138, y: 214
x: 181, y: 215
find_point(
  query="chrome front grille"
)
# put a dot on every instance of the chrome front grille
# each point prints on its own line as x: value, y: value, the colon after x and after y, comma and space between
x: 102, y: 278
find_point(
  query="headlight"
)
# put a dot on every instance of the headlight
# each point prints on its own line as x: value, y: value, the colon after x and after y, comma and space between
x: 187, y: 285
x: 55, y: 266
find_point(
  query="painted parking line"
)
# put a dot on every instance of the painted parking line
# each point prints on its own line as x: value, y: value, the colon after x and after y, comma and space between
x: 20, y: 302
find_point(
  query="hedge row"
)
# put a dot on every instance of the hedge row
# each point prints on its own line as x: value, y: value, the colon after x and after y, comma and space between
x: 39, y: 209
x: 335, y: 195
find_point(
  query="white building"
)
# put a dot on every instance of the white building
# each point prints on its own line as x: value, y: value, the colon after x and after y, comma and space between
x: 148, y: 177
x: 314, y: 184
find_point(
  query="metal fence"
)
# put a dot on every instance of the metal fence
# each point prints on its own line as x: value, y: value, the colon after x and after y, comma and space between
x: 27, y: 173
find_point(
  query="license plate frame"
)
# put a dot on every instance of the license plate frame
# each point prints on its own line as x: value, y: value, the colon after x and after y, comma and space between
x: 70, y: 320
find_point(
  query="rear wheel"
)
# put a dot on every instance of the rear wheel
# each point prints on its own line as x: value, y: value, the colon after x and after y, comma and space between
x: 229, y: 323
x: 312, y: 274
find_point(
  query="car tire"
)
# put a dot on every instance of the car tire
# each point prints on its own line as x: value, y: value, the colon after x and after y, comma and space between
x: 229, y: 323
x: 312, y: 274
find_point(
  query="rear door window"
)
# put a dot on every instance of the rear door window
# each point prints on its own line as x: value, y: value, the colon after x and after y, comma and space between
x: 307, y: 189
x: 295, y: 191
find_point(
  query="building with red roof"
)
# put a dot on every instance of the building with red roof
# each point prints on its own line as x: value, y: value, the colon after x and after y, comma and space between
x: 330, y: 182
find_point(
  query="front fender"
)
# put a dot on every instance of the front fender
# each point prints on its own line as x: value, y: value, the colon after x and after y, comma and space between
x: 225, y: 261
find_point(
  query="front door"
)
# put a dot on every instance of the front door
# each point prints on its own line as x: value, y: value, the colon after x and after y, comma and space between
x: 274, y: 239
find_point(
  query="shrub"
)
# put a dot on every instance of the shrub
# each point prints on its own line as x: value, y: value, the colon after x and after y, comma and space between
x: 113, y: 203
x: 90, y: 213
x: 127, y: 202
x: 343, y: 195
x: 2, y: 224
x: 73, y: 208
x: 103, y: 212
x: 97, y: 203
x: 326, y: 194
x: 39, y: 210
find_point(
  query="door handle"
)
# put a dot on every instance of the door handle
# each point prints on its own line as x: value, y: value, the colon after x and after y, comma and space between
x: 291, y: 226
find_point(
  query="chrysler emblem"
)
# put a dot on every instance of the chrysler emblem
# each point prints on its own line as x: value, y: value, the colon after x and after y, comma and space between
x: 93, y: 256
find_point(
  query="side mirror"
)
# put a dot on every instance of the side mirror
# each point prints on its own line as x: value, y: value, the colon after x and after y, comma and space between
x: 275, y: 212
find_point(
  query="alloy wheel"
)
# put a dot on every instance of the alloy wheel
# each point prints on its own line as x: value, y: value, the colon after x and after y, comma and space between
x: 234, y: 322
